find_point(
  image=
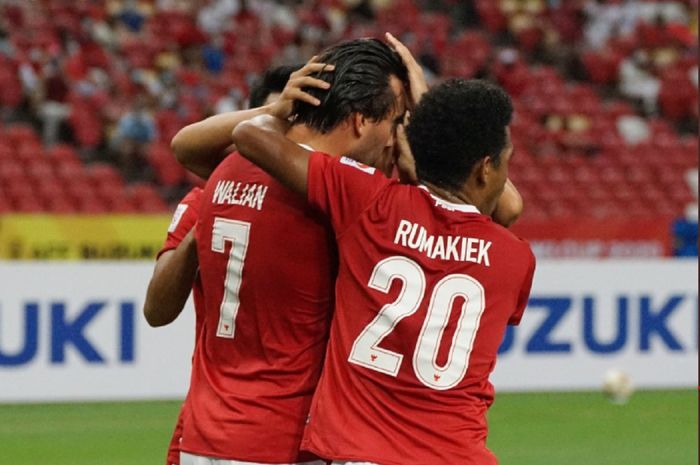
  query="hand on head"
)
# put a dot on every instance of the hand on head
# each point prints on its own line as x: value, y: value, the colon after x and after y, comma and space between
x: 294, y: 90
x: 416, y: 78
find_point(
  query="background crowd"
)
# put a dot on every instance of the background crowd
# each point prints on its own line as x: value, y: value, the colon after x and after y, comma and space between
x: 91, y: 92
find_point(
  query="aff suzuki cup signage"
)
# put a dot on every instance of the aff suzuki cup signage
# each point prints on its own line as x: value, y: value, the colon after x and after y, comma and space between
x: 587, y: 317
x: 75, y: 331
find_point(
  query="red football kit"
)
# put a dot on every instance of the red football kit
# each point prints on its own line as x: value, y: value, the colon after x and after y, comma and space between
x: 184, y: 219
x: 424, y: 293
x: 267, y: 263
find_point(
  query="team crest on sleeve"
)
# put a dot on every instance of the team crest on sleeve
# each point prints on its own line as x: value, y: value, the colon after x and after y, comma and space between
x: 177, y: 216
x: 357, y: 164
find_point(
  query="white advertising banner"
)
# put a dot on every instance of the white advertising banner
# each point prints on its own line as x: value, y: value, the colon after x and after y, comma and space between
x: 585, y: 317
x: 74, y: 331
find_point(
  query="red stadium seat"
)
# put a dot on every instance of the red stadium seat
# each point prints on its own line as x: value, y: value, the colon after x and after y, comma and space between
x: 146, y: 197
x: 92, y: 205
x: 20, y: 186
x: 80, y: 189
x: 10, y: 169
x: 19, y: 134
x: 121, y: 204
x: 86, y: 124
x: 29, y: 204
x: 51, y: 188
x: 40, y: 170
x: 5, y: 205
x: 61, y: 204
x: 104, y: 174
x: 62, y: 153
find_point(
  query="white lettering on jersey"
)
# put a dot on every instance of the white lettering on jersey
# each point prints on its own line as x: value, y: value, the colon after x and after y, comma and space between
x: 356, y: 164
x: 177, y: 216
x: 237, y: 193
x: 456, y: 248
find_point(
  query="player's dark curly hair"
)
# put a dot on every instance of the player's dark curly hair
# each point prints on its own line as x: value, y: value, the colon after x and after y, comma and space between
x: 359, y: 83
x: 456, y: 124
x: 273, y: 80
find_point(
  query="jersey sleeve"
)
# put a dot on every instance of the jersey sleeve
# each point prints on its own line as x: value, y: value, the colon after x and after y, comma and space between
x: 184, y: 219
x: 524, y: 293
x: 342, y: 188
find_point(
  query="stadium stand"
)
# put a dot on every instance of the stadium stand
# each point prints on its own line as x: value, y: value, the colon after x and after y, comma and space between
x: 606, y: 92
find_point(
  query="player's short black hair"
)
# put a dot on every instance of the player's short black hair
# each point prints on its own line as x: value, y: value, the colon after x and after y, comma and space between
x: 273, y: 80
x: 456, y: 124
x: 359, y: 84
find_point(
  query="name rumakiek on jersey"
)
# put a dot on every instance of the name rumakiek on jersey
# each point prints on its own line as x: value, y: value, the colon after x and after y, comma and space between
x: 457, y: 248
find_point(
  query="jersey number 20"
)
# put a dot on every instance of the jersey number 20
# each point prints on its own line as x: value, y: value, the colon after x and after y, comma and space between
x: 366, y: 351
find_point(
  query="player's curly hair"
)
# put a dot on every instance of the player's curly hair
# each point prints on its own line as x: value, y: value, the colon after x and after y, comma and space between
x: 359, y: 84
x: 272, y: 81
x: 456, y: 124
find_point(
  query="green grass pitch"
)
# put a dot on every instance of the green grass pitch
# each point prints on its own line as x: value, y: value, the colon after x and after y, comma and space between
x: 654, y: 428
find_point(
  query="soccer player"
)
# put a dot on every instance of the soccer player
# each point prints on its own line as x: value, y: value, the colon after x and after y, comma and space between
x: 175, y: 272
x: 427, y: 282
x: 162, y: 305
x: 267, y: 264
x: 174, y: 275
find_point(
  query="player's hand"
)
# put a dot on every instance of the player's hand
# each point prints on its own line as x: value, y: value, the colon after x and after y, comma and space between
x: 403, y: 157
x: 509, y: 206
x: 299, y: 79
x: 416, y: 78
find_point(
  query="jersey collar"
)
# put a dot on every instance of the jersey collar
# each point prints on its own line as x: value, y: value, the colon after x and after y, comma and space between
x: 460, y: 207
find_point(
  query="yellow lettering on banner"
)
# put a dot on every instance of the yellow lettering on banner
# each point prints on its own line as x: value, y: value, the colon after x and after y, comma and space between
x: 82, y: 237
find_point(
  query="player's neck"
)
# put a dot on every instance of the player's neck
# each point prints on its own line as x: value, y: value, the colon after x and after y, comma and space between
x: 332, y: 143
x: 460, y: 197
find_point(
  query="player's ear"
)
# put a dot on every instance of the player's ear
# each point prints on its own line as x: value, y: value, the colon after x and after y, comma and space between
x: 483, y: 170
x: 359, y: 124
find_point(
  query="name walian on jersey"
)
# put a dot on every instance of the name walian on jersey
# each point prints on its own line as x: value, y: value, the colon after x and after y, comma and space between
x: 237, y: 193
x: 457, y: 248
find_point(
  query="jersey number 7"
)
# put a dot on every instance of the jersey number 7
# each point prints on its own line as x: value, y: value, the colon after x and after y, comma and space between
x: 237, y: 233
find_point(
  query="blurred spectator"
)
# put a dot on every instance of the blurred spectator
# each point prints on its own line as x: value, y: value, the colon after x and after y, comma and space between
x: 633, y: 129
x: 135, y: 129
x: 216, y: 14
x: 213, y: 55
x: 53, y: 109
x: 685, y: 235
x: 638, y: 82
x: 606, y: 19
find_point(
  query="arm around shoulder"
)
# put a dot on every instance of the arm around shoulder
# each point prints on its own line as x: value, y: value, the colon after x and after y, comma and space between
x: 262, y: 140
x: 201, y: 146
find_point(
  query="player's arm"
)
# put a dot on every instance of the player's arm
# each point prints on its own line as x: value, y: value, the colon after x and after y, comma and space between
x: 201, y: 146
x: 171, y: 282
x: 262, y: 140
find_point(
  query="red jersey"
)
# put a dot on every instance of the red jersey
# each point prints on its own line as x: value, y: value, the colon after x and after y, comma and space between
x: 267, y: 262
x: 184, y: 219
x: 424, y: 293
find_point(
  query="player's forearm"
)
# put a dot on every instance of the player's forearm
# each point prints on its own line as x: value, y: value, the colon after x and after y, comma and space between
x: 171, y: 283
x: 201, y: 146
x: 262, y: 140
x: 509, y: 206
